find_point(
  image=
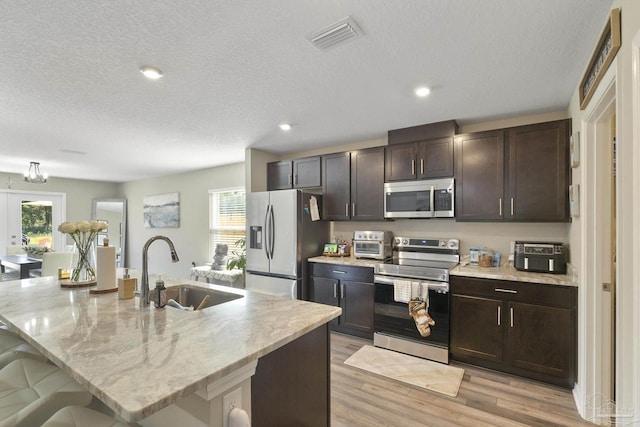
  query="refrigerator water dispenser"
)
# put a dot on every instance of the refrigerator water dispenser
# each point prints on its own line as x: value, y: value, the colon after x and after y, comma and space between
x: 255, y: 237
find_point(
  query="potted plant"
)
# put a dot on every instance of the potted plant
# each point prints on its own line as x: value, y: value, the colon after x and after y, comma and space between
x: 239, y: 259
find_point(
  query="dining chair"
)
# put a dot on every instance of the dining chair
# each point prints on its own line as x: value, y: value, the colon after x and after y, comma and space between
x: 51, y: 262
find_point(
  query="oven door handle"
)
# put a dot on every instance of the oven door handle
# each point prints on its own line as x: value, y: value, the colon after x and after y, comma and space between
x: 388, y: 280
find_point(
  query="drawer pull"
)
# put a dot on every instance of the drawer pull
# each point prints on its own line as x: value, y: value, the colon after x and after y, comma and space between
x: 339, y: 272
x: 506, y: 291
x: 499, y: 316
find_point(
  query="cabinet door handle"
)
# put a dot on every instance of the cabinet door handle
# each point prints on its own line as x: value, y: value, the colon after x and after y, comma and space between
x: 499, y: 316
x: 500, y: 206
x: 511, y: 313
x: 339, y: 272
x: 346, y: 210
x: 506, y: 291
x: 295, y: 179
x: 413, y: 167
x: 512, y: 206
x: 342, y: 290
x: 421, y: 166
x: 289, y: 180
x: 335, y: 290
x: 353, y: 209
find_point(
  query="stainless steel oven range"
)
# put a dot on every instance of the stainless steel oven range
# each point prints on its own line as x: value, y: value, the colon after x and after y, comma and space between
x: 420, y: 271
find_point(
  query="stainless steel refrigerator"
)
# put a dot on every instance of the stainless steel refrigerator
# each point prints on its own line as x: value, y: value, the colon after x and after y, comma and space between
x: 281, y: 235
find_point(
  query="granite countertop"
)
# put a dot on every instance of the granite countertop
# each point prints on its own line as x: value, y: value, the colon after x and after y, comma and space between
x: 139, y: 360
x: 508, y: 272
x: 346, y: 260
x: 504, y: 272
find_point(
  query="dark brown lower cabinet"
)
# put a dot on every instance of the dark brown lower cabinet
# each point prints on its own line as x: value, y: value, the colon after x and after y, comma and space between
x: 525, y: 329
x: 291, y: 384
x: 479, y: 335
x: 350, y: 288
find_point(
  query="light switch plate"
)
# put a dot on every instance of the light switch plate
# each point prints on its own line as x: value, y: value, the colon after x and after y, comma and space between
x: 574, y: 200
x: 574, y: 149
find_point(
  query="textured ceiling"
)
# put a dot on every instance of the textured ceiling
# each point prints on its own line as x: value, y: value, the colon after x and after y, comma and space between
x: 235, y: 69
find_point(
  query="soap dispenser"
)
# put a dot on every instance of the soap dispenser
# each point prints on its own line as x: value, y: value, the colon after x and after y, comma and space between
x: 160, y: 293
x: 126, y: 286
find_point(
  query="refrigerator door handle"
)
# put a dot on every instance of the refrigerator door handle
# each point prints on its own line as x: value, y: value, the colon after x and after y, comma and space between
x: 273, y: 231
x: 266, y: 231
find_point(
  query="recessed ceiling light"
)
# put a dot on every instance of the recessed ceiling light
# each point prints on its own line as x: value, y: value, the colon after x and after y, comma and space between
x: 151, y: 73
x: 285, y: 126
x: 422, y: 91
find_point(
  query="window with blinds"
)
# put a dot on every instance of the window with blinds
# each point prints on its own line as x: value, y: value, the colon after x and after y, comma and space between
x: 226, y: 218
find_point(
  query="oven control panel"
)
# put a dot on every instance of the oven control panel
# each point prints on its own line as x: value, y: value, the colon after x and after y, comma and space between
x: 426, y: 243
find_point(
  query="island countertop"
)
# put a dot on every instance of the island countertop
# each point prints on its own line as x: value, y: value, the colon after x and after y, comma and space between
x: 139, y: 360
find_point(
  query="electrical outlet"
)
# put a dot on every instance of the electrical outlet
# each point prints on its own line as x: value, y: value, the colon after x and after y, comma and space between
x: 231, y: 400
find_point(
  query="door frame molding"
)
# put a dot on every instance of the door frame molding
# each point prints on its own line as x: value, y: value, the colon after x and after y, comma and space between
x: 590, y: 294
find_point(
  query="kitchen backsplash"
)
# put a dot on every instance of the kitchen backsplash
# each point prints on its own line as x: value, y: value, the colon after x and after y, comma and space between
x: 497, y: 236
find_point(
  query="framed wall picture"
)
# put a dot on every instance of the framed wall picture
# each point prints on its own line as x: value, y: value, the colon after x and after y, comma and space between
x: 606, y: 49
x: 101, y: 237
x: 162, y: 211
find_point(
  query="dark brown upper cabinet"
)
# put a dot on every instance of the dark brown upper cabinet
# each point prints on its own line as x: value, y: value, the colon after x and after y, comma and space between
x: 352, y: 184
x: 420, y: 152
x: 419, y: 160
x: 480, y: 176
x: 297, y: 173
x: 539, y: 173
x: 514, y: 174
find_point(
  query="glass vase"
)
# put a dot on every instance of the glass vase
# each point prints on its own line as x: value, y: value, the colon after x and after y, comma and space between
x: 84, y: 263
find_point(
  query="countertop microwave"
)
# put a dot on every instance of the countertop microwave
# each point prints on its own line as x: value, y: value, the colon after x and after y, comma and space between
x: 433, y: 198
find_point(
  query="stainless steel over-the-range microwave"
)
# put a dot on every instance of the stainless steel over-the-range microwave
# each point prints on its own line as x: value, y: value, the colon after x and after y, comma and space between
x: 432, y: 198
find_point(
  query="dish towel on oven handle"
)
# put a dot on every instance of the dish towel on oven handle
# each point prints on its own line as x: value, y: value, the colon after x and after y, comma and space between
x: 402, y: 290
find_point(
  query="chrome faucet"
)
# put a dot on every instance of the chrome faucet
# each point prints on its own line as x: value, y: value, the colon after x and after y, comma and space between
x: 144, y: 286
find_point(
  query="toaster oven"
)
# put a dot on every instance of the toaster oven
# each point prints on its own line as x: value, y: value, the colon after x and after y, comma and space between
x: 372, y: 244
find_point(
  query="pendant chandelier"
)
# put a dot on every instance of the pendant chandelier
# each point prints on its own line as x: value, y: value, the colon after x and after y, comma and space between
x: 34, y: 175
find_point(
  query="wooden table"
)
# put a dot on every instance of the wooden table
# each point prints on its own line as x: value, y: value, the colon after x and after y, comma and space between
x: 20, y: 262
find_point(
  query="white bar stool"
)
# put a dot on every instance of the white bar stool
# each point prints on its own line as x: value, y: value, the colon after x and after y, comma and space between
x: 79, y: 416
x: 13, y: 347
x: 32, y: 391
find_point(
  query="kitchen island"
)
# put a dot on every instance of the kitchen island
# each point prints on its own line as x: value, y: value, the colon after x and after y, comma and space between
x: 145, y: 361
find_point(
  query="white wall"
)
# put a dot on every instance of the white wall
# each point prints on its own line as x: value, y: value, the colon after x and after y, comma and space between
x: 191, y: 239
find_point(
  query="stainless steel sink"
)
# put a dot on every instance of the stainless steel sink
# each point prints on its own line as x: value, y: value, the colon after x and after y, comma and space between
x: 189, y: 295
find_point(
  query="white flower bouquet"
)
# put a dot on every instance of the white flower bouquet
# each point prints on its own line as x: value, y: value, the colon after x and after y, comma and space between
x: 83, y: 234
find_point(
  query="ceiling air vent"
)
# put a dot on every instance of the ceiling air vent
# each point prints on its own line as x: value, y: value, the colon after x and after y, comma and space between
x: 335, y: 34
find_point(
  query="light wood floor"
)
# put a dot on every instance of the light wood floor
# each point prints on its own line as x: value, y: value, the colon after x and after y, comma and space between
x: 486, y: 398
